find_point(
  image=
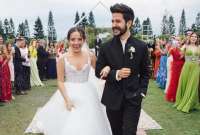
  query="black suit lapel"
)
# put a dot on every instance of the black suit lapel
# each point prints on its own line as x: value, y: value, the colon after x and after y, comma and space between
x: 118, y: 51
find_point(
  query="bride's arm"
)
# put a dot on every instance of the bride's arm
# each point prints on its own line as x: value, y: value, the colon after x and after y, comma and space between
x: 104, y: 71
x: 93, y: 60
x: 60, y: 81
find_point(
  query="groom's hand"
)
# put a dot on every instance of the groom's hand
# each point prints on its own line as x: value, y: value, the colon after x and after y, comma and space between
x: 124, y: 73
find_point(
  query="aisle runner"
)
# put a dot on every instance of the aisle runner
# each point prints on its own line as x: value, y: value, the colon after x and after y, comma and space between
x: 146, y: 122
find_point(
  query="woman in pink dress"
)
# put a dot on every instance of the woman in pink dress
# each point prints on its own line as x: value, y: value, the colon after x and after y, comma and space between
x: 176, y: 67
x: 5, y: 82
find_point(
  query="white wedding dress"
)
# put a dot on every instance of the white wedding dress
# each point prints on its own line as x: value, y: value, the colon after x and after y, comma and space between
x: 87, y: 118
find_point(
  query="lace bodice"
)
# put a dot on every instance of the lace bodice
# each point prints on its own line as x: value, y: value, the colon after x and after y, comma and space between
x: 74, y: 75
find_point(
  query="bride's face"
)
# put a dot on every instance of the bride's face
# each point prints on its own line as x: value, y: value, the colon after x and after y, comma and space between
x: 76, y: 41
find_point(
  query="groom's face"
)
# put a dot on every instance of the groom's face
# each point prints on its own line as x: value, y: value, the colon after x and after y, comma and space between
x: 119, y: 26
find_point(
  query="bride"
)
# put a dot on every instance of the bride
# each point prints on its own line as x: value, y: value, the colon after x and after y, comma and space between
x: 75, y: 108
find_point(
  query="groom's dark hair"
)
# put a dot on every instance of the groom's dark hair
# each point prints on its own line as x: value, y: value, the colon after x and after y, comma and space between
x: 127, y: 12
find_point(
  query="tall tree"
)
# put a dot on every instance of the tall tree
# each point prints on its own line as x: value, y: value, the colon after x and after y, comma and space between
x: 77, y: 18
x: 182, y: 25
x: 38, y: 29
x: 7, y: 29
x: 172, y: 27
x: 12, y: 28
x: 150, y: 31
x: 84, y: 21
x: 2, y: 29
x: 137, y: 27
x: 165, y: 25
x: 91, y: 19
x: 21, y: 29
x: 51, y: 29
x: 27, y: 30
x: 197, y: 23
x: 193, y: 27
x: 147, y: 29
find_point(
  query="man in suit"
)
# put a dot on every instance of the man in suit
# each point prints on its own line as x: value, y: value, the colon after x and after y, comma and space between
x: 42, y: 59
x: 97, y: 45
x: 18, y: 59
x: 124, y: 63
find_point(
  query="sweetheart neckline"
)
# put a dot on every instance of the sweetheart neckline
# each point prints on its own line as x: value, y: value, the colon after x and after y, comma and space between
x: 75, y: 68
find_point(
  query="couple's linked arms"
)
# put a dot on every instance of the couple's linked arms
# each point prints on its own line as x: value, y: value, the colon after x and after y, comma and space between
x: 117, y: 75
x: 100, y: 65
x: 105, y: 72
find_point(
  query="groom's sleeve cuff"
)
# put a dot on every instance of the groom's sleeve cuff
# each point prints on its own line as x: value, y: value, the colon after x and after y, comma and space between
x: 143, y: 95
x: 117, y: 77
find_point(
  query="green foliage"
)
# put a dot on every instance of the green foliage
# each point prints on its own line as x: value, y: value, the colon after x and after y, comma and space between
x: 91, y: 35
x: 77, y: 18
x: 21, y: 29
x: 137, y: 28
x: 91, y: 20
x: 2, y: 30
x: 12, y: 29
x: 138, y: 36
x: 38, y: 29
x: 52, y: 37
x: 84, y: 21
x: 182, y: 25
x: 165, y: 25
x: 27, y: 30
x: 172, y: 27
x: 147, y: 32
x: 166, y: 36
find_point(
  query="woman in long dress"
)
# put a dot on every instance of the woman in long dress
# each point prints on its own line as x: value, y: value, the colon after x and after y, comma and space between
x: 35, y: 79
x: 10, y: 63
x: 5, y: 84
x: 157, y: 54
x: 187, y: 97
x: 75, y: 108
x: 162, y: 72
x: 176, y: 67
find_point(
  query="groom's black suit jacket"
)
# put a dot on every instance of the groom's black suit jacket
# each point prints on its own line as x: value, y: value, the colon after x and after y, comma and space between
x: 111, y: 54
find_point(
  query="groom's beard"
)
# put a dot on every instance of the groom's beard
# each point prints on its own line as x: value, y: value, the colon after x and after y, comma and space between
x: 117, y: 31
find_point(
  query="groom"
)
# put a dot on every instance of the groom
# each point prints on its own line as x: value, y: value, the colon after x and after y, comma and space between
x: 124, y: 63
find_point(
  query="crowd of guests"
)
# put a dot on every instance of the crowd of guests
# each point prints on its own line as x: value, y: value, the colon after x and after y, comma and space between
x: 175, y: 62
x: 176, y: 69
x: 24, y: 65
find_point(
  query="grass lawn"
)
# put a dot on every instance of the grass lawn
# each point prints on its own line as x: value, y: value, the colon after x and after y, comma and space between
x: 15, y: 117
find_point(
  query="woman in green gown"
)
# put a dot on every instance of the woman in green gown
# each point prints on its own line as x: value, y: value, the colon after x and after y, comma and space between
x: 35, y: 79
x: 187, y: 97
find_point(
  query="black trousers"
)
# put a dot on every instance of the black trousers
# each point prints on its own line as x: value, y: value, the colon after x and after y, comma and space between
x: 42, y: 68
x: 125, y: 120
x: 26, y: 78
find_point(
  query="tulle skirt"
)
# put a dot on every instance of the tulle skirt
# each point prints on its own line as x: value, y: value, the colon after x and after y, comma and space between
x: 87, y: 118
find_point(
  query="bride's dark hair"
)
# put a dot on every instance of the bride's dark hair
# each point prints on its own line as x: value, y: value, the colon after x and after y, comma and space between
x: 78, y: 29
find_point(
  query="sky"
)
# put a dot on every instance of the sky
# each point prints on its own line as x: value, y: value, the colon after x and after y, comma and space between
x: 64, y: 12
